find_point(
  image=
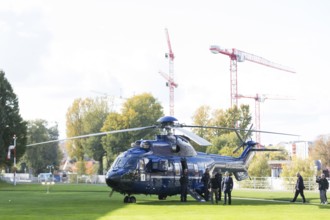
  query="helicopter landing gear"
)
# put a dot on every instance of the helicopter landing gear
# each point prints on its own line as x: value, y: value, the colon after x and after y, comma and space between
x: 129, y: 199
x: 162, y: 197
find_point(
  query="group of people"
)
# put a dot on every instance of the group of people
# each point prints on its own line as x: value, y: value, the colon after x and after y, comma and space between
x: 213, y: 186
x: 323, y: 187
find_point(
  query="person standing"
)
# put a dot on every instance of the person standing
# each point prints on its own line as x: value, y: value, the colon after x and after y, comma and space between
x: 184, y: 185
x: 218, y: 176
x: 206, y: 183
x: 227, y: 186
x: 299, y: 188
x: 323, y: 187
x: 214, y: 185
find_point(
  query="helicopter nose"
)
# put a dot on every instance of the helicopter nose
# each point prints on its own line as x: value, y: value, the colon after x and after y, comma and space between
x: 113, y: 180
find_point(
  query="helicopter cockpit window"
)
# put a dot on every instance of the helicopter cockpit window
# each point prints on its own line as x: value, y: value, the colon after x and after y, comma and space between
x: 124, y: 162
x: 131, y: 163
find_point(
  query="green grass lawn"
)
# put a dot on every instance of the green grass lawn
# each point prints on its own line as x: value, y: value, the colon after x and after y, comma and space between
x: 31, y: 201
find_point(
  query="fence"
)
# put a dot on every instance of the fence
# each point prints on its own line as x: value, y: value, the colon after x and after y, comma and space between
x: 271, y: 183
x: 70, y: 178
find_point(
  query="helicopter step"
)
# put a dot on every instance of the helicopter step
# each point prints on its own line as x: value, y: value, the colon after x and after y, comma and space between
x: 195, y: 195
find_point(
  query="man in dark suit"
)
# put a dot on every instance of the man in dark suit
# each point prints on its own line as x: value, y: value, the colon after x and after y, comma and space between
x: 299, y: 188
x: 227, y: 186
x: 184, y: 185
x: 218, y: 176
x: 206, y: 183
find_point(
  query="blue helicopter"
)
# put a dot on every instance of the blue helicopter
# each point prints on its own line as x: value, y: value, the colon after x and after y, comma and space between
x: 154, y: 167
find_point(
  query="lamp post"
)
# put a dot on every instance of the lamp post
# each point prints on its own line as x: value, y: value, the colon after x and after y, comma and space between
x: 50, y: 167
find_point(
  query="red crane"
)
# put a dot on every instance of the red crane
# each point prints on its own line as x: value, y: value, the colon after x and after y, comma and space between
x: 240, y: 56
x: 170, y: 77
x: 258, y: 99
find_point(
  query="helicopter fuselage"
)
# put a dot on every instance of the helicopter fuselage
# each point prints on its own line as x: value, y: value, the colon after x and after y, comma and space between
x: 155, y: 167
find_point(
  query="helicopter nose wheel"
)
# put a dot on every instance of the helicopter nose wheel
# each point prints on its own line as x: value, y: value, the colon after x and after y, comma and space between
x: 129, y: 199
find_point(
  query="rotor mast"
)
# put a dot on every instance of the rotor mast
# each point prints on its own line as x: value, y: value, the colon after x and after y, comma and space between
x: 170, y: 76
x: 240, y: 56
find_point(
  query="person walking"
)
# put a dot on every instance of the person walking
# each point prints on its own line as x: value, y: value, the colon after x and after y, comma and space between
x: 206, y: 183
x: 227, y: 186
x: 299, y: 188
x: 184, y: 185
x: 323, y: 187
x: 214, y: 188
x: 218, y: 176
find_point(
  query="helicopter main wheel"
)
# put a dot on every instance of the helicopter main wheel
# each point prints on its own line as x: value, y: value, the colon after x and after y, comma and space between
x: 162, y: 197
x: 129, y: 199
x: 132, y: 199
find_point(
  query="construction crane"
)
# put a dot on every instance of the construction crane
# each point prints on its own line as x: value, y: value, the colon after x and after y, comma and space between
x: 258, y: 99
x: 170, y: 76
x: 111, y: 99
x: 240, y: 56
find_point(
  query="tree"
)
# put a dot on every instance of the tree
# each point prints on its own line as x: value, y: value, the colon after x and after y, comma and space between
x: 138, y: 111
x: 38, y: 158
x: 202, y: 117
x: 321, y: 150
x: 278, y: 155
x: 11, y: 123
x: 226, y: 144
x: 224, y: 140
x: 86, y: 117
x: 259, y: 166
x: 305, y: 167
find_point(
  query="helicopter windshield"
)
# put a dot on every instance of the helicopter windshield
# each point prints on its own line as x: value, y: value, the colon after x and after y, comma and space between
x: 125, y: 162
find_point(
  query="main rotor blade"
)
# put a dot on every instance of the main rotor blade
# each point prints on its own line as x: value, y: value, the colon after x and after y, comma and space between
x: 239, y: 129
x: 93, y: 135
x: 265, y: 149
x: 199, y: 140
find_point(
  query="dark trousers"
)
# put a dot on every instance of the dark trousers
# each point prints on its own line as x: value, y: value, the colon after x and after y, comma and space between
x: 206, y: 194
x: 228, y: 193
x: 219, y: 195
x: 184, y: 192
x: 301, y: 192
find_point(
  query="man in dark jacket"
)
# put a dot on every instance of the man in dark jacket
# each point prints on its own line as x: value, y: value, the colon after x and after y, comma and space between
x: 218, y: 176
x: 214, y: 186
x: 184, y: 185
x: 299, y: 188
x: 206, y: 183
x: 323, y: 187
x: 227, y: 186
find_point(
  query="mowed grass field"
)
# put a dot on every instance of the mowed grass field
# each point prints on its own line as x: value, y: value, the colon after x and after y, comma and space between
x: 31, y: 201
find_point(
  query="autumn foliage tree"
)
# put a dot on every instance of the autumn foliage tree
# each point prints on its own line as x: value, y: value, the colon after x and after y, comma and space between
x: 86, y: 116
x: 224, y: 141
x: 138, y: 111
x: 321, y: 150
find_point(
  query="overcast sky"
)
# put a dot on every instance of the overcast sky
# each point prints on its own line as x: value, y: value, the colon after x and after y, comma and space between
x: 56, y: 51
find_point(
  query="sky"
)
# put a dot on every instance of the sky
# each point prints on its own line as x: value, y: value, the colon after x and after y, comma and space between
x: 56, y: 51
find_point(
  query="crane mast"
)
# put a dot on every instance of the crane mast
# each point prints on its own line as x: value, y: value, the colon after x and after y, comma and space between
x: 240, y: 56
x: 258, y: 99
x: 170, y: 76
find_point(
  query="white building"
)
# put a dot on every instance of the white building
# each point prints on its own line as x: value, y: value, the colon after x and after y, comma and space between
x: 299, y: 149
